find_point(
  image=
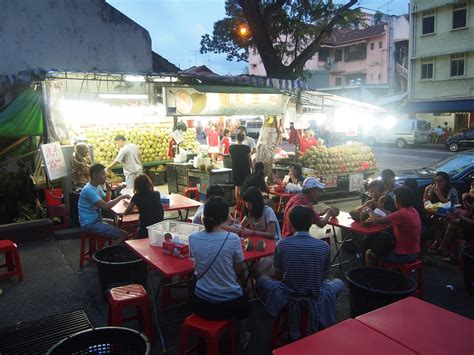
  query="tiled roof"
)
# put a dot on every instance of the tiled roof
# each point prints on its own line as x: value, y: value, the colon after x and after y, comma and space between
x: 340, y: 36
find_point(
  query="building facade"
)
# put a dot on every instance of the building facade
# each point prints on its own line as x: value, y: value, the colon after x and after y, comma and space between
x: 441, y: 70
x: 76, y: 35
x: 365, y: 64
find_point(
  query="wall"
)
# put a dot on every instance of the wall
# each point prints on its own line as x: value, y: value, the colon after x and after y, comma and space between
x: 79, y: 35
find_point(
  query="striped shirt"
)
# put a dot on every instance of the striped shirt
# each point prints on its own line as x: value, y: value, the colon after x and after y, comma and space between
x: 304, y: 263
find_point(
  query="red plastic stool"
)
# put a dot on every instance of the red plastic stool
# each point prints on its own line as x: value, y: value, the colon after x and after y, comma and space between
x: 407, y: 270
x: 59, y: 211
x: 239, y: 210
x: 209, y: 330
x: 185, y: 281
x: 12, y: 258
x: 130, y: 296
x: 189, y: 190
x: 130, y: 223
x: 95, y: 242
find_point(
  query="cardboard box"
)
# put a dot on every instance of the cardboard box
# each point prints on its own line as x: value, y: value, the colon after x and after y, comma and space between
x: 180, y: 251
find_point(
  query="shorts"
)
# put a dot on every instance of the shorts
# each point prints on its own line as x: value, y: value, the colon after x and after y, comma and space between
x: 213, y: 150
x: 233, y: 309
x: 394, y: 258
x: 105, y: 229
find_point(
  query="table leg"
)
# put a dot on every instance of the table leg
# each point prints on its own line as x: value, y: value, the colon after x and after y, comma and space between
x: 155, y: 311
x: 339, y: 249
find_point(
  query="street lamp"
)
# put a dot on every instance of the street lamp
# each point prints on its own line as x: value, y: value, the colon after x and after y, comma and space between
x: 243, y: 30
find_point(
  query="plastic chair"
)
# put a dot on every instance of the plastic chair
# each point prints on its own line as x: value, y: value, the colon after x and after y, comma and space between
x: 95, y: 241
x: 185, y: 281
x: 192, y: 190
x: 210, y: 331
x: 130, y: 296
x: 12, y: 258
x: 239, y: 210
x: 61, y: 212
x: 130, y: 223
x: 408, y: 270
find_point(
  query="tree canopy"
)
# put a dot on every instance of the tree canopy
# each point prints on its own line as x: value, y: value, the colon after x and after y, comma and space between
x: 286, y: 33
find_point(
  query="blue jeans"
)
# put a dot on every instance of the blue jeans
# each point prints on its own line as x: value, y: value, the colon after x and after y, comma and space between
x: 105, y: 229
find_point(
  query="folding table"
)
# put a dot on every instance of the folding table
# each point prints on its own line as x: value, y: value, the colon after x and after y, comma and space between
x: 347, y: 337
x: 345, y: 221
x: 284, y: 196
x: 423, y: 327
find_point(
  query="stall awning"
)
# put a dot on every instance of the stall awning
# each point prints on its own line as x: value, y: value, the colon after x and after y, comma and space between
x: 439, y: 106
x: 23, y: 116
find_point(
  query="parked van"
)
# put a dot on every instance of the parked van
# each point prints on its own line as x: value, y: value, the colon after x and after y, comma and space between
x: 405, y: 131
x: 253, y: 126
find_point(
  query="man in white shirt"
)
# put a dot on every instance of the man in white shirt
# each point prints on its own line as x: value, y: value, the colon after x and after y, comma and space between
x: 130, y: 157
x: 248, y: 140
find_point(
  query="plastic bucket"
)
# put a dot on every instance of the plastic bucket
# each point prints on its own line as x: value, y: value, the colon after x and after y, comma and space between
x: 371, y: 288
x: 468, y: 261
x: 105, y: 340
x: 53, y: 197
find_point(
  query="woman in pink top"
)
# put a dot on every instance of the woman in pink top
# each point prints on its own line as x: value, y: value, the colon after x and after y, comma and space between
x: 406, y: 227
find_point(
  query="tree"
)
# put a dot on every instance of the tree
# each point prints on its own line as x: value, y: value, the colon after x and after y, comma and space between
x: 286, y: 33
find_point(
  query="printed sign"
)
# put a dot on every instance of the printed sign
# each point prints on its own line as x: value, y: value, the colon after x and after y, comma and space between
x: 329, y: 181
x: 356, y: 182
x: 53, y: 161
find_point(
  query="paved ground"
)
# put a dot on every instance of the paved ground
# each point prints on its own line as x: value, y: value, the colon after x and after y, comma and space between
x: 54, y: 284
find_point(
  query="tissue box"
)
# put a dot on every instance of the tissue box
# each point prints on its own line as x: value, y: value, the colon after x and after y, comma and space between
x: 180, y: 251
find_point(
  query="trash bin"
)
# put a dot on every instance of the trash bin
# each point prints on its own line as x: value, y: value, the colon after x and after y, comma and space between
x: 119, y: 266
x: 371, y: 288
x: 105, y: 340
x: 468, y: 263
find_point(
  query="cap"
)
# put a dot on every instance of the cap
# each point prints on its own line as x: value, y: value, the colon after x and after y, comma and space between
x: 312, y: 183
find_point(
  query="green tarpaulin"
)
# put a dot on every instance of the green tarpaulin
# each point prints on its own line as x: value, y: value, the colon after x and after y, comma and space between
x: 23, y: 116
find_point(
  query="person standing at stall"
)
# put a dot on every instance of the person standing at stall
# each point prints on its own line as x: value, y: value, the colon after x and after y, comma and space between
x: 241, y: 162
x: 225, y: 144
x: 130, y: 157
x: 81, y: 163
x: 213, y: 142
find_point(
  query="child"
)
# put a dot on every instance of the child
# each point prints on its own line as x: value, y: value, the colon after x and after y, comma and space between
x: 148, y: 202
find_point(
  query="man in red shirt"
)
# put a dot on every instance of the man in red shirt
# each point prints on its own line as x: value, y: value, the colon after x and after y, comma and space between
x: 225, y: 143
x: 406, y: 225
x: 312, y: 188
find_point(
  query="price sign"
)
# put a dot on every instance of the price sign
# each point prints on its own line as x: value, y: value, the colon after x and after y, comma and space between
x: 329, y: 181
x: 356, y: 182
x: 53, y: 161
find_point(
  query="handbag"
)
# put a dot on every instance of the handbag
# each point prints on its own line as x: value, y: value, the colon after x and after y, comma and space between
x: 198, y: 277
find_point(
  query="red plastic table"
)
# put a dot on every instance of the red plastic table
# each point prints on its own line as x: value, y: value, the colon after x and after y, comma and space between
x: 284, y: 196
x: 423, y: 327
x: 345, y: 221
x: 347, y: 337
x: 177, y: 203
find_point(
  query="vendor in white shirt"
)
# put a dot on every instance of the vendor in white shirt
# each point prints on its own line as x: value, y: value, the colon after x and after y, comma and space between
x: 129, y: 156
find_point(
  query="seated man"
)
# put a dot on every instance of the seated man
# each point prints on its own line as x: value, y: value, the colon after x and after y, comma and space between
x: 379, y: 199
x: 312, y: 188
x: 93, y: 200
x: 300, y: 270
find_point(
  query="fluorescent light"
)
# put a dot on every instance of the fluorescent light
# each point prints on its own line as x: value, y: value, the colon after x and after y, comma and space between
x: 164, y: 79
x: 124, y: 96
x: 134, y: 78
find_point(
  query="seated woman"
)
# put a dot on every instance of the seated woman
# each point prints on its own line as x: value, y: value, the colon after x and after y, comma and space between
x: 296, y: 174
x: 256, y: 179
x: 440, y: 191
x: 212, y: 191
x: 406, y: 225
x: 218, y: 258
x: 468, y: 198
x: 459, y: 230
x: 260, y: 219
x: 148, y: 202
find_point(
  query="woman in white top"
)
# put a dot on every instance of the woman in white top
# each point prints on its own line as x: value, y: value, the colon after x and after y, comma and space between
x: 260, y: 220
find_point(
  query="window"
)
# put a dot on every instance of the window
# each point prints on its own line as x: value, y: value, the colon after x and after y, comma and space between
x: 355, y: 52
x: 338, y: 55
x: 338, y: 81
x: 459, y: 16
x: 323, y: 54
x: 380, y: 44
x: 404, y: 126
x: 457, y: 64
x: 355, y: 79
x: 427, y: 66
x: 371, y: 46
x: 380, y: 76
x: 428, y: 23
